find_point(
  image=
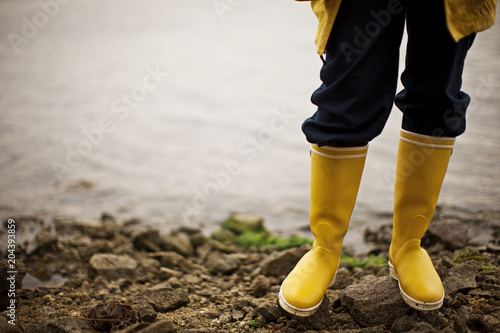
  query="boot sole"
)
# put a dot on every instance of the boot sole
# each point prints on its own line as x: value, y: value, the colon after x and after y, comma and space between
x: 413, y: 303
x: 300, y: 312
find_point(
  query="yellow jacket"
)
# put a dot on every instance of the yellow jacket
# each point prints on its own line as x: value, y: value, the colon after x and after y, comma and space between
x: 463, y: 17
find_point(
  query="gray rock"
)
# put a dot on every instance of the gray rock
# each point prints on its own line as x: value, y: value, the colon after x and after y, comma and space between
x: 420, y: 321
x: 162, y: 326
x: 374, y: 302
x: 238, y: 315
x: 222, y: 263
x: 451, y: 233
x: 461, y: 277
x: 191, y: 279
x: 166, y: 273
x: 493, y: 248
x: 491, y: 277
x: 343, y: 278
x: 175, y: 282
x: 382, y: 235
x: 5, y: 285
x: 112, y: 266
x: 241, y: 222
x: 202, y: 330
x: 178, y: 242
x: 372, y: 268
x: 343, y: 322
x: 135, y: 328
x: 224, y: 236
x: 171, y: 259
x: 107, y: 217
x: 149, y: 264
x: 46, y: 241
x: 93, y: 247
x: 260, y: 286
x: 63, y: 325
x: 164, y: 298
x: 225, y: 319
x: 271, y: 313
x: 197, y: 239
x: 145, y: 311
x: 491, y: 323
x: 321, y: 320
x: 6, y: 327
x: 106, y: 229
x: 403, y: 325
x: 283, y: 262
x: 148, y: 240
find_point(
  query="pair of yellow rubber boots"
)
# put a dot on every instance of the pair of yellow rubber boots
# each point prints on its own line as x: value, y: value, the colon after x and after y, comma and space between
x: 422, y: 162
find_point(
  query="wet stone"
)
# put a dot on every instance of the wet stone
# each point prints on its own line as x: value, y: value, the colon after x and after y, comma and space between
x: 46, y: 241
x: 112, y: 266
x: 283, y: 262
x: 63, y: 325
x: 224, y: 263
x: 162, y: 326
x: 171, y: 259
x: 145, y: 310
x: 259, y: 286
x: 343, y: 278
x: 163, y: 298
x: 225, y: 318
x: 374, y: 302
x: 241, y: 222
x: 461, y: 277
x: 452, y: 233
x: 148, y: 240
x: 165, y: 273
x: 178, y: 242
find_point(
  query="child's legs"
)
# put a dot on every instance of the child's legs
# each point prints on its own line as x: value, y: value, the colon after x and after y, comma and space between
x: 359, y: 75
x: 432, y: 102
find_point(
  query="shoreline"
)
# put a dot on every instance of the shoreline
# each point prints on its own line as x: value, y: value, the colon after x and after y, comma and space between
x: 186, y: 281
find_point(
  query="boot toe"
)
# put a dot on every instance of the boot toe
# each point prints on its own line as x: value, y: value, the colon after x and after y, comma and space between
x: 303, y: 289
x: 419, y: 283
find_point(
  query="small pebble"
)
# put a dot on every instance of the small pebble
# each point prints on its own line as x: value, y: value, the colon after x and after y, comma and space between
x: 48, y: 299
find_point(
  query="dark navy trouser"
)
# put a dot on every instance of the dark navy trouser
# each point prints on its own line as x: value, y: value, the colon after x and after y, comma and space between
x: 360, y: 73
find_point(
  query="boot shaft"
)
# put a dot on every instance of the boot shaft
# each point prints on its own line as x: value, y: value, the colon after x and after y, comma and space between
x: 422, y: 163
x: 335, y: 178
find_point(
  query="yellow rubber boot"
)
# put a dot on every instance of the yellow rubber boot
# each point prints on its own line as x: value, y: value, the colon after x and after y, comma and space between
x: 421, y: 166
x: 335, y: 177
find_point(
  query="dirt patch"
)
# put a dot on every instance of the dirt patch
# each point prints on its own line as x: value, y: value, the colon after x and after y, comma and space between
x: 140, y: 280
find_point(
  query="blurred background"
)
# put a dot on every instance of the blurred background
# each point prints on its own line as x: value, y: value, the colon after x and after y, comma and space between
x: 179, y: 113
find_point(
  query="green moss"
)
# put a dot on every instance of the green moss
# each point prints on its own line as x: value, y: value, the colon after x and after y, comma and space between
x: 241, y: 222
x: 468, y: 255
x: 487, y: 269
x: 258, y: 239
x: 255, y: 323
x: 372, y: 259
x: 248, y: 230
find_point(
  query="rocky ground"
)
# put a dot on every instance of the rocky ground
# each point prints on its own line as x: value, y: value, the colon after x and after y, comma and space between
x: 134, y: 279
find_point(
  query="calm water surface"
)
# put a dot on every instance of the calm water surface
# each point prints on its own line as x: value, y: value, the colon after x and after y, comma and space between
x: 177, y: 113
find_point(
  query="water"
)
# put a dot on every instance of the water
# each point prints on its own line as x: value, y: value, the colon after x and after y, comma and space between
x: 191, y: 113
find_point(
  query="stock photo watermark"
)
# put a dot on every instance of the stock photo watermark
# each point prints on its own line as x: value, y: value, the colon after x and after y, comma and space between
x: 32, y: 25
x: 248, y: 151
x: 486, y: 87
x: 11, y: 271
x: 121, y: 107
x: 372, y: 29
x: 222, y: 7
